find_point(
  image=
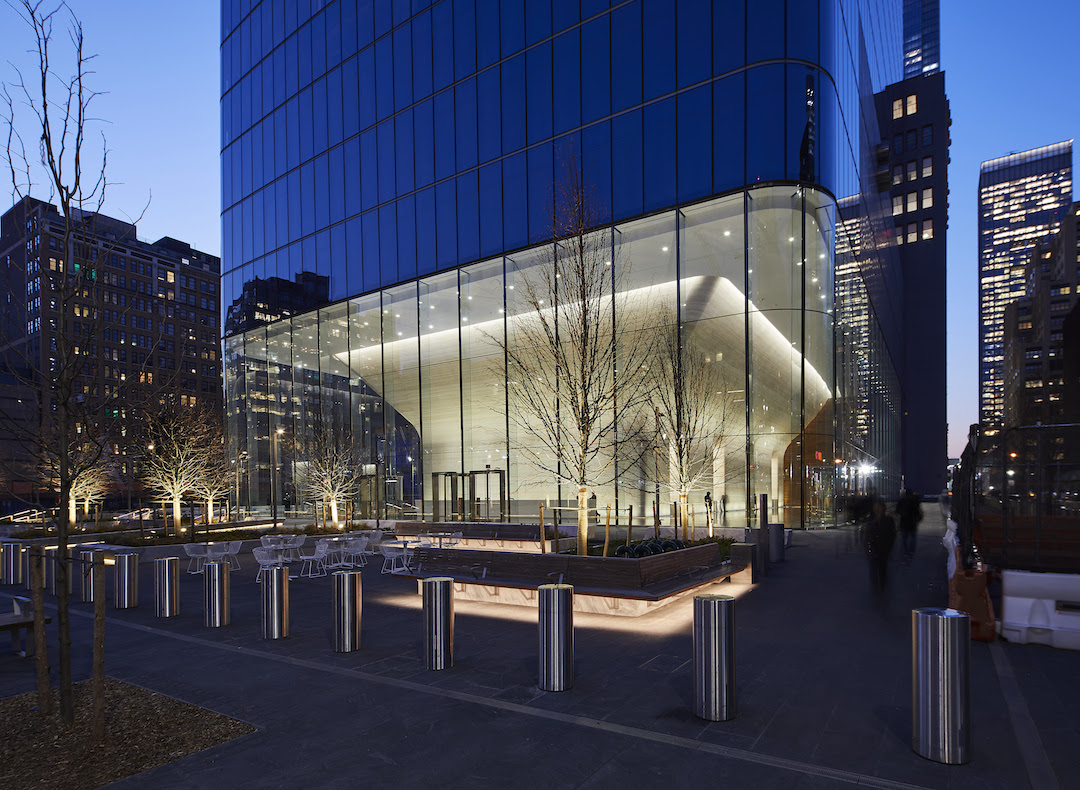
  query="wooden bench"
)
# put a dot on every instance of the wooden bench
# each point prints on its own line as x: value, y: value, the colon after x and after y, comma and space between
x: 21, y: 624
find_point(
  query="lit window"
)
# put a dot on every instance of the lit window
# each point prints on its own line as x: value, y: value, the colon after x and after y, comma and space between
x: 912, y: 201
x: 898, y: 174
x: 928, y: 198
x: 928, y: 229
x: 927, y: 166
x: 912, y: 171
x: 912, y: 232
x: 911, y: 104
x: 898, y: 109
x: 897, y: 205
x: 899, y: 234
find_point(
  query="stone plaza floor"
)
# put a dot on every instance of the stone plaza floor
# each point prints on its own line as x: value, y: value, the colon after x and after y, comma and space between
x: 823, y: 689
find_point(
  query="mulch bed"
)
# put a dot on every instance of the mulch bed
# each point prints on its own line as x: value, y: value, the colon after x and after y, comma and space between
x: 142, y: 730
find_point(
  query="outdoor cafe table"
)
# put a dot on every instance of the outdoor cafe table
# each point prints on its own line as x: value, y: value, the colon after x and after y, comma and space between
x: 440, y: 536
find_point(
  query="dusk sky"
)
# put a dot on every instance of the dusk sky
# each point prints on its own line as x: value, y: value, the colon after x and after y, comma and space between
x: 1008, y: 77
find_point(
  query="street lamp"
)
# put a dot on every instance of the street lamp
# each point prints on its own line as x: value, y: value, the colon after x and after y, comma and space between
x: 273, y: 474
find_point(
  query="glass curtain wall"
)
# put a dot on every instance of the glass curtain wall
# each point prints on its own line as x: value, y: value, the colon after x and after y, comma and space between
x: 416, y: 375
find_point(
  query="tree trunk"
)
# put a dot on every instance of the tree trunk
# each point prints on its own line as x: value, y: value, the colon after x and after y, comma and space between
x: 209, y: 511
x: 41, y: 656
x: 176, y: 518
x: 583, y: 521
x: 334, y: 512
x: 73, y: 509
x: 607, y: 530
x: 682, y: 515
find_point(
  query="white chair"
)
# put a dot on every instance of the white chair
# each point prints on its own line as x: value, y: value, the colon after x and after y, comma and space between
x: 455, y: 538
x: 292, y: 545
x: 315, y: 563
x: 197, y: 556
x: 354, y: 552
x: 267, y: 558
x: 393, y: 558
x: 233, y: 553
x: 426, y: 541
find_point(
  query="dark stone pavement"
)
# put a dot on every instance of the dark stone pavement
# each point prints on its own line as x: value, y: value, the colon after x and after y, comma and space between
x: 823, y: 689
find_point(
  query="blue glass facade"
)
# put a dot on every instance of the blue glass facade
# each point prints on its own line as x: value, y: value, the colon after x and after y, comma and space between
x: 375, y: 152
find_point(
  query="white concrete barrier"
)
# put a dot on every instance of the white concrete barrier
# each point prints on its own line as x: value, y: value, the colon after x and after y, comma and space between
x: 1041, y: 608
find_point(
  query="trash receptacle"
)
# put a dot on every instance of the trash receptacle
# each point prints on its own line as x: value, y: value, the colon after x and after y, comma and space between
x: 275, y: 603
x: 167, y: 587
x: 438, y: 593
x: 348, y: 605
x: 216, y: 594
x: 126, y: 581
x: 556, y: 637
x: 714, y: 657
x: 940, y: 668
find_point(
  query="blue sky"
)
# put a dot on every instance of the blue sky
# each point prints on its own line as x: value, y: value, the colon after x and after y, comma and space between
x: 1008, y: 75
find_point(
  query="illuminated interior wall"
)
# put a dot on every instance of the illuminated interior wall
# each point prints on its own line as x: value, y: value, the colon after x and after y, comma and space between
x: 418, y: 373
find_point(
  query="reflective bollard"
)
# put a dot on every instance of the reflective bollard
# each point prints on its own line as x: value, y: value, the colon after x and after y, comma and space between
x: 940, y: 694
x: 274, y: 591
x: 87, y: 570
x: 11, y: 563
x: 438, y: 593
x: 167, y: 587
x: 126, y: 580
x: 348, y: 605
x: 714, y: 657
x: 556, y: 637
x: 216, y: 594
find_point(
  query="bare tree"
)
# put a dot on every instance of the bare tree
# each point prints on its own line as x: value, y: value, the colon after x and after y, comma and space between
x: 216, y: 481
x: 177, y: 459
x: 693, y: 410
x: 329, y: 465
x: 49, y: 350
x: 576, y: 354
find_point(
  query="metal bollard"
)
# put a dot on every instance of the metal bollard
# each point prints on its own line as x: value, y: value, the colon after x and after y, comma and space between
x: 28, y: 577
x: 940, y: 694
x: 167, y: 587
x: 52, y: 568
x: 556, y: 637
x: 714, y: 657
x: 275, y: 603
x: 438, y: 622
x: 11, y: 563
x: 87, y: 569
x: 348, y: 604
x: 216, y: 594
x: 126, y: 580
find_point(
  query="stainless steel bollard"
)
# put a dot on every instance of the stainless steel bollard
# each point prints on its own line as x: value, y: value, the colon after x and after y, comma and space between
x: 167, y: 587
x: 27, y: 576
x: 86, y: 572
x: 556, y: 637
x: 940, y: 693
x: 438, y: 622
x: 11, y: 563
x: 275, y: 603
x: 52, y: 571
x: 714, y: 657
x: 216, y: 594
x: 126, y: 580
x: 348, y: 605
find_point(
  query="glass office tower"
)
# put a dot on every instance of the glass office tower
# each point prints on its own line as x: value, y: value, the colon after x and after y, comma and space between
x: 388, y: 171
x: 1022, y: 200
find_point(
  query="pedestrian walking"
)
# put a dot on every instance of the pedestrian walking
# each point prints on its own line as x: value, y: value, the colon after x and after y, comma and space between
x: 909, y: 511
x: 879, y: 536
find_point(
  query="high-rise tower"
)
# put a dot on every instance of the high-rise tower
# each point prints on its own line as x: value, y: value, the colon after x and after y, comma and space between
x: 1022, y: 198
x: 922, y: 48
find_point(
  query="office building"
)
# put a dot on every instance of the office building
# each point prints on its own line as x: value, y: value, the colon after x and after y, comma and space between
x: 915, y: 120
x: 147, y: 319
x: 1036, y: 391
x: 409, y: 154
x: 922, y: 37
x: 1022, y: 199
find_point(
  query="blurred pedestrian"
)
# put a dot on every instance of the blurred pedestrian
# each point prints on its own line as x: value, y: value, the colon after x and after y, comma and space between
x: 879, y: 536
x: 909, y: 511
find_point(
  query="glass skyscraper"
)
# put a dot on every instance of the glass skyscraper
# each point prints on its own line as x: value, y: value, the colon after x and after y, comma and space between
x: 388, y: 172
x: 922, y: 38
x: 1022, y: 199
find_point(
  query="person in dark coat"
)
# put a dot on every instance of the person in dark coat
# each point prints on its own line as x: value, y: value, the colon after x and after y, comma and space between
x: 878, y: 538
x: 909, y: 512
